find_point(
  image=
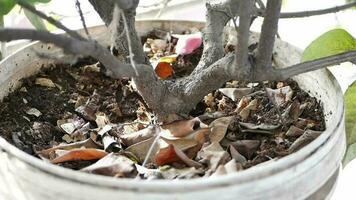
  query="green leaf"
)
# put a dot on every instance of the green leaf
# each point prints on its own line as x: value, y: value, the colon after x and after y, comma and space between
x: 36, y: 21
x: 350, y: 122
x: 6, y: 6
x: 330, y: 43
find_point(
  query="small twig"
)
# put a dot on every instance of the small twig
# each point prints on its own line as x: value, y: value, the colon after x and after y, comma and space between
x: 150, y: 150
x: 131, y: 54
x: 312, y: 12
x: 51, y: 20
x: 79, y: 9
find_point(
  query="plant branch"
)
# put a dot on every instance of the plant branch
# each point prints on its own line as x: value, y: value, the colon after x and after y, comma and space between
x: 242, y: 52
x: 51, y: 20
x: 217, y: 16
x: 267, y: 37
x: 282, y: 74
x: 312, y: 12
x: 80, y: 47
x: 79, y: 9
x: 131, y: 54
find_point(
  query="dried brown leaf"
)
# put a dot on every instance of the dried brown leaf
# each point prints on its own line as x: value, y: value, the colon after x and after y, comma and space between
x: 306, y: 138
x: 80, y: 154
x: 294, y: 131
x: 139, y: 136
x: 183, y: 128
x: 113, y: 165
x: 218, y: 128
x: 246, y: 147
x: 89, y: 143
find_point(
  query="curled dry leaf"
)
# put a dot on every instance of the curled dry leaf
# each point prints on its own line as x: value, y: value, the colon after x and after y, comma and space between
x: 292, y: 112
x: 235, y: 93
x: 45, y: 82
x: 87, y: 111
x: 113, y: 165
x: 209, y: 100
x: 184, y: 127
x: 80, y: 154
x: 101, y: 119
x: 245, y: 112
x: 246, y: 147
x: 88, y: 143
x: 243, y: 103
x: 188, y: 43
x: 305, y: 123
x: 213, y: 155
x: 306, y: 138
x: 33, y: 111
x: 92, y: 68
x: 139, y: 136
x: 81, y: 132
x: 294, y: 131
x: 281, y: 95
x: 164, y: 70
x: 218, y: 128
x: 172, y: 154
x: 262, y: 126
x: 236, y: 155
x: 199, y: 135
x: 70, y: 125
x: 141, y: 149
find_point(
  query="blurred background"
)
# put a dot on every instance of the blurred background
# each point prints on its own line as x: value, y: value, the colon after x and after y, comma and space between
x: 297, y: 31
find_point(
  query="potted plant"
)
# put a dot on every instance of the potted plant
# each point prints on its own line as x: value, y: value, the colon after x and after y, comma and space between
x: 308, y: 172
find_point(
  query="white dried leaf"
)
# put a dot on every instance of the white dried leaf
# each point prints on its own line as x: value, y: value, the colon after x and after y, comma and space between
x: 262, y: 126
x: 280, y: 95
x: 34, y: 112
x: 68, y: 127
x: 45, y: 82
x: 235, y: 93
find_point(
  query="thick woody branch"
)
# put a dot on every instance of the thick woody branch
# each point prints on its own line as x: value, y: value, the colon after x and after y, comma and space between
x: 242, y: 52
x: 71, y: 45
x: 217, y: 16
x: 312, y: 12
x: 267, y: 38
x: 51, y: 20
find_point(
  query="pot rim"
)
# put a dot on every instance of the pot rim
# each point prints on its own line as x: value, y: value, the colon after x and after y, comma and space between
x: 257, y: 172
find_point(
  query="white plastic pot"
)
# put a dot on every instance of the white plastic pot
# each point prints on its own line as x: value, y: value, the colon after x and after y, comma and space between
x: 309, y: 173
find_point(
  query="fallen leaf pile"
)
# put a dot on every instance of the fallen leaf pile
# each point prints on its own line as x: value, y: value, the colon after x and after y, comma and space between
x: 76, y: 117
